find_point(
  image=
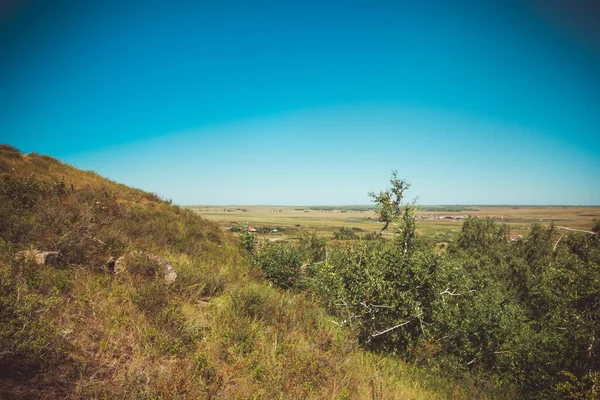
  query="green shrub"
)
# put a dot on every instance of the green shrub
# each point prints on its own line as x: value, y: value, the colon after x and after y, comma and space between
x: 522, y: 315
x: 372, y: 236
x: 281, y: 264
x: 248, y: 241
x: 312, y: 247
x: 237, y: 228
x: 345, y: 234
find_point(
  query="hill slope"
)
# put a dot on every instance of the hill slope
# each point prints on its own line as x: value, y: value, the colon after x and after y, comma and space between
x: 71, y: 327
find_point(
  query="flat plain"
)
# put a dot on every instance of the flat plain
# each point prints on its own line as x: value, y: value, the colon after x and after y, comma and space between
x: 439, y: 222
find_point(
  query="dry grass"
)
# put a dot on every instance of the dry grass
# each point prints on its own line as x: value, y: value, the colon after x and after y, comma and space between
x: 76, y: 330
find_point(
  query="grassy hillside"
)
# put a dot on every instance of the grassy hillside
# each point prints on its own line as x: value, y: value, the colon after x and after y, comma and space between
x: 73, y: 328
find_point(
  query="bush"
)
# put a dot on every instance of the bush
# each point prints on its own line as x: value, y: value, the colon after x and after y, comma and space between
x: 248, y: 241
x: 372, y: 236
x: 312, y: 247
x: 281, y: 264
x: 345, y: 234
x: 522, y: 314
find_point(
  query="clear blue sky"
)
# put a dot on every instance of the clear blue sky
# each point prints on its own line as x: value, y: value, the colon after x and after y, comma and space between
x: 311, y: 102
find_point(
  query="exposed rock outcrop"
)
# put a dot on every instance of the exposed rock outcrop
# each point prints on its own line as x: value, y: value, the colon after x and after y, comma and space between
x: 40, y: 257
x: 145, y: 264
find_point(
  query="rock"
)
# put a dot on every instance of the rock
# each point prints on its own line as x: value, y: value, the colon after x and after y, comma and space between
x: 40, y: 257
x: 145, y: 264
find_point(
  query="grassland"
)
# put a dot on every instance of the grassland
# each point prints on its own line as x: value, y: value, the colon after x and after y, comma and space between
x: 75, y: 329
x: 438, y: 222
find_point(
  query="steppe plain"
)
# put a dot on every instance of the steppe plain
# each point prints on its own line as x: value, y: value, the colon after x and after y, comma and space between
x: 440, y: 222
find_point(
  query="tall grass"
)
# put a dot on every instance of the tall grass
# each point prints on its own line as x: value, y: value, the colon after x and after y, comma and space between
x: 76, y: 330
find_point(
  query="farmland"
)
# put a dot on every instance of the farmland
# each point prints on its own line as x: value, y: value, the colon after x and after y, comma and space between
x: 440, y: 222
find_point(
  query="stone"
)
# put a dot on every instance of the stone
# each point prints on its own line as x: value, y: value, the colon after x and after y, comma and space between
x: 145, y: 264
x: 40, y: 257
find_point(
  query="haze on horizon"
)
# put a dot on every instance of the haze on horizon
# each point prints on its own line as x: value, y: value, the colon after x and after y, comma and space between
x: 311, y: 103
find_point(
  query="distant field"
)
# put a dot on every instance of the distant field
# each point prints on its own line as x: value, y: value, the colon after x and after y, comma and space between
x: 288, y: 220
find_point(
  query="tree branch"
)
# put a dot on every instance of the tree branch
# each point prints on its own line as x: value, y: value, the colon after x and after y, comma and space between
x: 387, y: 330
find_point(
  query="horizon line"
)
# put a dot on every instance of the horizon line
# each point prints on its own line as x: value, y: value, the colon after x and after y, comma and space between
x: 374, y: 206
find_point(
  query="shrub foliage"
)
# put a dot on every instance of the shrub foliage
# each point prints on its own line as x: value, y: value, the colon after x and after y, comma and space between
x: 523, y: 315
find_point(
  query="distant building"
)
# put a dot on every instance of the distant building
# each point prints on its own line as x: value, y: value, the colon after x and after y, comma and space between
x: 251, y: 229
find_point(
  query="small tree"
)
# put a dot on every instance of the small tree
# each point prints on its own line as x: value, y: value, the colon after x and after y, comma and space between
x: 393, y: 211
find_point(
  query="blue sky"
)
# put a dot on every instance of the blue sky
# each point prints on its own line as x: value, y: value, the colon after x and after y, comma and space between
x: 306, y: 102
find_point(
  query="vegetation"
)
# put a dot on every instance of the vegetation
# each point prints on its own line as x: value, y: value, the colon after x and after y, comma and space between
x: 346, y: 234
x: 498, y: 319
x: 344, y: 208
x: 516, y: 319
x: 451, y: 208
x: 442, y: 224
x: 73, y: 328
